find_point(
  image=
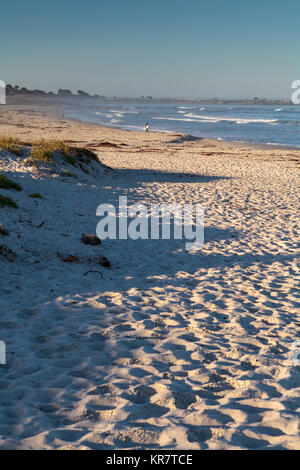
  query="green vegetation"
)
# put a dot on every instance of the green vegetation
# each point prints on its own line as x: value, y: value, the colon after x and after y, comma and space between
x: 3, y: 231
x: 83, y: 154
x: 43, y: 150
x: 41, y: 154
x: 7, y: 253
x: 68, y: 173
x: 11, y: 145
x: 6, y: 183
x: 36, y: 196
x: 69, y: 158
x: 7, y: 201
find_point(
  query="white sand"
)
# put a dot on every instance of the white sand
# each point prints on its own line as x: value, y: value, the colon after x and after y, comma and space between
x: 169, y: 349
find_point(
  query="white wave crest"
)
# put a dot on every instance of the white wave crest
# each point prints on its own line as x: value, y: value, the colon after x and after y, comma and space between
x: 229, y: 119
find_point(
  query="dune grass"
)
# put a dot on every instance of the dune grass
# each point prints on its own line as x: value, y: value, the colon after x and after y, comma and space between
x: 70, y: 158
x: 7, y: 253
x: 6, y: 183
x: 41, y: 155
x: 42, y: 151
x: 3, y: 231
x: 11, y: 144
x: 36, y: 196
x: 68, y: 174
x: 7, y: 201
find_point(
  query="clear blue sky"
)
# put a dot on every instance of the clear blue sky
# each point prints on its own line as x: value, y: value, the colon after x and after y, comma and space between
x: 172, y: 48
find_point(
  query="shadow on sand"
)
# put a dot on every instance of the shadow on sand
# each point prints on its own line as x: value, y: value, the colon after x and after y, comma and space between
x: 157, y: 176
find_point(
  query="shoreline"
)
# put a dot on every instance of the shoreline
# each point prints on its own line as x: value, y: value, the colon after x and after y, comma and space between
x: 57, y: 111
x: 266, y: 146
x: 233, y: 142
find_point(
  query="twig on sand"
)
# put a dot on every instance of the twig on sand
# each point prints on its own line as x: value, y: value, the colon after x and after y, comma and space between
x: 92, y: 271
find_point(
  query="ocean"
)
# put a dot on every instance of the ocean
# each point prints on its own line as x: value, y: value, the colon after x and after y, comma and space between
x: 261, y: 124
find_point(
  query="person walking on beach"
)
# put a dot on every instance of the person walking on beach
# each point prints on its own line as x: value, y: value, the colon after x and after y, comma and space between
x: 147, y: 127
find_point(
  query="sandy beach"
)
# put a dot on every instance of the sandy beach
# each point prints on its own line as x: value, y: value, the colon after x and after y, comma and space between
x: 167, y: 348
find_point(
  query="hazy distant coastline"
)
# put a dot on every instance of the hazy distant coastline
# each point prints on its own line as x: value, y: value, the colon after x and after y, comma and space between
x: 19, y: 95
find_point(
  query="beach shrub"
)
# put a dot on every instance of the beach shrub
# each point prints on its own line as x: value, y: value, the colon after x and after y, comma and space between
x: 7, y: 201
x: 6, y: 183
